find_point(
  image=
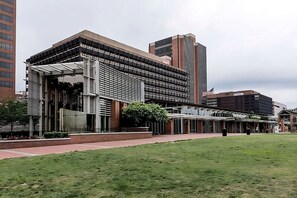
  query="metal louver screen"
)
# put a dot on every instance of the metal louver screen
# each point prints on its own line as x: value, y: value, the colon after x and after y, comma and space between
x: 105, y: 107
x: 114, y: 84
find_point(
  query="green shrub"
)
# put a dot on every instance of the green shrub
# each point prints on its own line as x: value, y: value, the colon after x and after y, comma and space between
x: 138, y: 113
x: 55, y: 134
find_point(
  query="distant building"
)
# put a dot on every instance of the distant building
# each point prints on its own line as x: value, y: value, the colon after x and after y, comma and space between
x: 278, y: 107
x: 21, y: 95
x: 288, y: 120
x: 247, y: 101
x: 185, y: 53
x: 7, y: 47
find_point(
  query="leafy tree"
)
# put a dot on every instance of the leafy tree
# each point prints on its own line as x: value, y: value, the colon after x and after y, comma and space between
x: 12, y: 112
x: 137, y: 114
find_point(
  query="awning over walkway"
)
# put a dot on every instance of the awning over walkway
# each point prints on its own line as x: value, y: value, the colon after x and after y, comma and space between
x: 214, y: 118
x: 59, y: 68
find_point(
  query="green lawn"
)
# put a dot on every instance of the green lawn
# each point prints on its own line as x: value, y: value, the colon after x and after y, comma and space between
x: 243, y: 166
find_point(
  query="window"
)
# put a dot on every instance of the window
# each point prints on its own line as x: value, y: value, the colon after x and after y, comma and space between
x: 6, y: 36
x: 6, y: 46
x: 6, y: 9
x: 4, y: 74
x: 8, y: 1
x: 6, y: 56
x: 5, y: 65
x: 6, y: 27
x: 6, y: 18
x: 6, y: 84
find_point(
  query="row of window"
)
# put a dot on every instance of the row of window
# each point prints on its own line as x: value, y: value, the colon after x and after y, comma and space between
x: 144, y: 66
x: 6, y: 9
x: 6, y: 18
x: 5, y: 65
x: 4, y: 74
x: 110, y: 52
x: 6, y: 84
x: 6, y: 46
x: 140, y: 72
x: 6, y: 27
x: 6, y: 56
x: 8, y: 1
x: 6, y: 36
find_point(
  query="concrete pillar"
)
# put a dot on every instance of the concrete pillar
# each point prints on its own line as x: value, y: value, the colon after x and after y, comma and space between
x: 213, y: 126
x: 56, y: 109
x: 50, y: 118
x: 240, y: 127
x: 31, y: 128
x: 40, y: 105
x: 181, y: 125
x: 46, y: 115
x: 97, y: 99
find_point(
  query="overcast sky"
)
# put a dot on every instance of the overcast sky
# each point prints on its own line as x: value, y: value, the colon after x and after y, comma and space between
x: 251, y: 44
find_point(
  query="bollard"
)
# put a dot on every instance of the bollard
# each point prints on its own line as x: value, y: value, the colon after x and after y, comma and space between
x: 248, y: 131
x: 224, y: 132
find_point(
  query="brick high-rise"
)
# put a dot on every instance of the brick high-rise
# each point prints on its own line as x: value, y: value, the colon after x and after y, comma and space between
x: 7, y: 47
x: 185, y: 53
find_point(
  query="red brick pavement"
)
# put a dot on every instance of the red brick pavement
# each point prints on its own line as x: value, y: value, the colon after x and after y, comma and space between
x: 34, y: 151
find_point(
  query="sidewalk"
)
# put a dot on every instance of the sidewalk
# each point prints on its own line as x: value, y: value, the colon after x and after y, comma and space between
x: 34, y: 151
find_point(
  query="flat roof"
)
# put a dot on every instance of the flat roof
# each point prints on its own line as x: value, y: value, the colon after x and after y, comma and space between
x: 115, y: 44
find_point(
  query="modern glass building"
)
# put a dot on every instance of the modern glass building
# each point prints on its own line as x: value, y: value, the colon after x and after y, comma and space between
x: 162, y: 82
x: 247, y: 101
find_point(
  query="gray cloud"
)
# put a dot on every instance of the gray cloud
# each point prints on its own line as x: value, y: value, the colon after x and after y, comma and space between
x: 250, y: 44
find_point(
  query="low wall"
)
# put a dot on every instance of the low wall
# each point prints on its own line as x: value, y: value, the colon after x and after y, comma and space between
x: 74, y: 139
x: 105, y: 137
x: 10, y: 144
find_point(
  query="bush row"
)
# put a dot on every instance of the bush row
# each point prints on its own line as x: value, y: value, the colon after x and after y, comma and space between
x: 55, y: 135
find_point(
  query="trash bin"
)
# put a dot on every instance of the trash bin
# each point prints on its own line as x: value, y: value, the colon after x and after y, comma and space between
x: 248, y: 131
x: 224, y: 132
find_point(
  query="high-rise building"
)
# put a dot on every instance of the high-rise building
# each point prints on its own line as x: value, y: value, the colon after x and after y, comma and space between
x: 7, y: 47
x: 184, y: 52
x: 247, y: 101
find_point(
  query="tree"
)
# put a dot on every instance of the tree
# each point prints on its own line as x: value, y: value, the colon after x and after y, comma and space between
x: 12, y: 112
x: 137, y: 114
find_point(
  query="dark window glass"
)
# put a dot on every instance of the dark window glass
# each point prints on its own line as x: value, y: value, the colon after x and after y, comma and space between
x: 6, y: 18
x: 8, y: 1
x: 6, y: 27
x: 6, y: 46
x: 6, y: 9
x: 5, y: 65
x: 4, y: 74
x: 6, y: 84
x: 6, y: 36
x: 6, y: 56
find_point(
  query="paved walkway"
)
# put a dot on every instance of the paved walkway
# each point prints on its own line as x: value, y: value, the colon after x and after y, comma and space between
x: 34, y: 151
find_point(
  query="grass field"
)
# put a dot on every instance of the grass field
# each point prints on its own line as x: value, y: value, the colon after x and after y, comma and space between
x: 242, y: 166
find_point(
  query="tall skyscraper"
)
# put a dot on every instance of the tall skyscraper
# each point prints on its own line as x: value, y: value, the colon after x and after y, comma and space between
x: 7, y: 47
x: 185, y: 53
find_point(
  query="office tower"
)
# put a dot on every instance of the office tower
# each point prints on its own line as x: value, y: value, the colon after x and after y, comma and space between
x: 7, y: 47
x: 185, y: 53
x: 247, y: 101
